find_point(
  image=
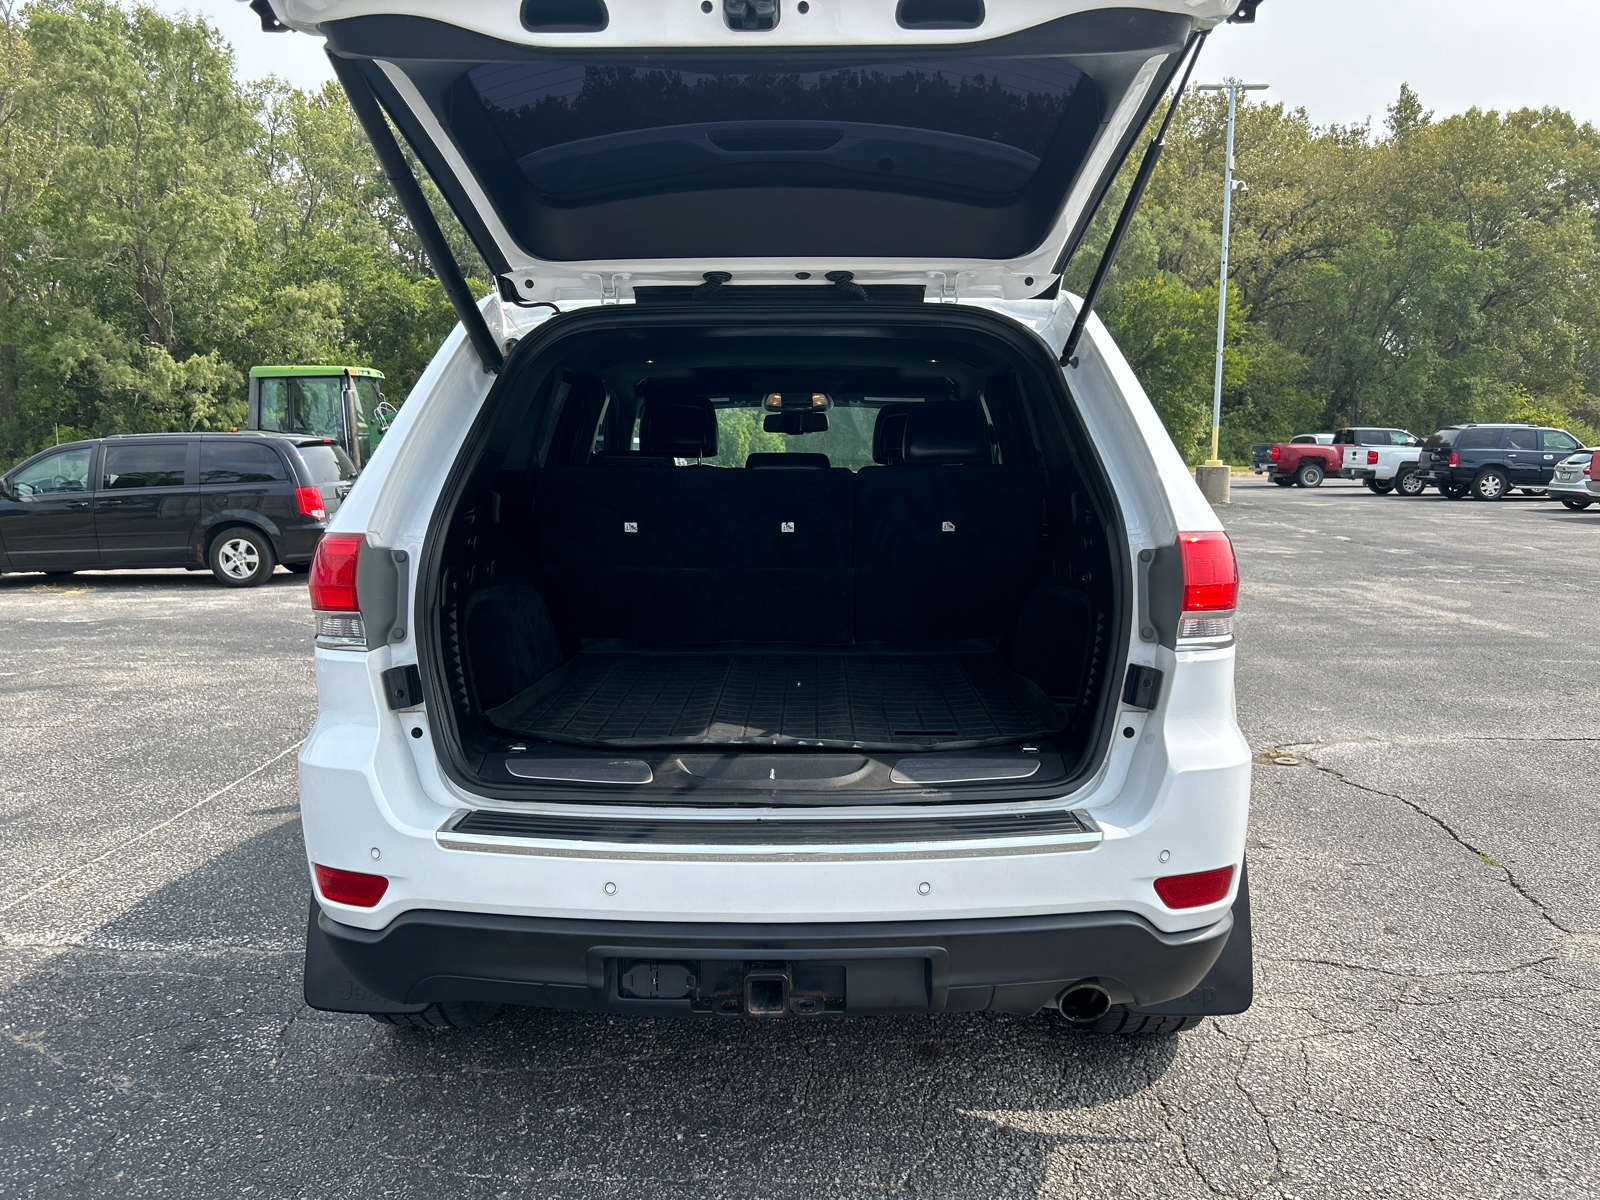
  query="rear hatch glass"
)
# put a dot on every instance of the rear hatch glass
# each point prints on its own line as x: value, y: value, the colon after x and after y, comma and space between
x: 888, y: 159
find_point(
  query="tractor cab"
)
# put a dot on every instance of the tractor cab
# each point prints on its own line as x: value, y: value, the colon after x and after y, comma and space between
x: 342, y: 403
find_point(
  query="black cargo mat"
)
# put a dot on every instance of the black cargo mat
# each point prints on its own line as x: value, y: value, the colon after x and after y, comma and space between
x: 862, y: 701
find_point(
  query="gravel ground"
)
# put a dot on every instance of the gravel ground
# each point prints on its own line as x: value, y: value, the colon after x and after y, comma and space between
x: 1425, y: 914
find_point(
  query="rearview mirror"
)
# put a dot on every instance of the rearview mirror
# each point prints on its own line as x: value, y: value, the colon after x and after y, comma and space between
x: 795, y: 422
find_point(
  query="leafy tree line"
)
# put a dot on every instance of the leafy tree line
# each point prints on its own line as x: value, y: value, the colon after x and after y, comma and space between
x: 164, y: 227
x: 1433, y: 272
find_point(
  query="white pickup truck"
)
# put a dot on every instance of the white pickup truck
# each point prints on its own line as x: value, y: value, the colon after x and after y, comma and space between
x: 1383, y: 459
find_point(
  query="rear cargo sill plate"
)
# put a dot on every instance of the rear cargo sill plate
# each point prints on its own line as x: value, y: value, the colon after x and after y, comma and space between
x: 747, y: 839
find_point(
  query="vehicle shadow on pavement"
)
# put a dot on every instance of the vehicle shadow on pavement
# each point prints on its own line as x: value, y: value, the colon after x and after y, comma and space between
x: 178, y: 581
x: 180, y: 1052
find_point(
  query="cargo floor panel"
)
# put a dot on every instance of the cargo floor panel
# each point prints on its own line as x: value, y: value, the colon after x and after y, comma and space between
x: 847, y: 700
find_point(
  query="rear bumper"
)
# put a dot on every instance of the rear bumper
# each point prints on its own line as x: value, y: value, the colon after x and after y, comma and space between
x: 1011, y: 964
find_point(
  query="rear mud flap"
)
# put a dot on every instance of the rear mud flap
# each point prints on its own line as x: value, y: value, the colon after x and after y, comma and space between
x: 329, y: 987
x: 1229, y: 987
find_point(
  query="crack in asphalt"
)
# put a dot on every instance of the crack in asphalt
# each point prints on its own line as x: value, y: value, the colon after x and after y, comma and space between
x: 1455, y: 836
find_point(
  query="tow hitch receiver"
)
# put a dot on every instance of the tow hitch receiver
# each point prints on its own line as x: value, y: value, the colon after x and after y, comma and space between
x: 766, y: 990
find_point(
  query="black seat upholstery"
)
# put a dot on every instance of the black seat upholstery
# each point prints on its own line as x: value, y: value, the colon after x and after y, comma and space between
x: 678, y: 427
x: 889, y: 434
x: 944, y: 434
x: 944, y: 545
x: 688, y: 556
x: 793, y: 462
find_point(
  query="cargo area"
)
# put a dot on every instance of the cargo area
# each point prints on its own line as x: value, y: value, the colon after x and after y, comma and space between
x: 816, y: 557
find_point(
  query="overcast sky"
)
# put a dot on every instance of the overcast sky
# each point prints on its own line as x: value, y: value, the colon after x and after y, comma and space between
x: 1344, y: 60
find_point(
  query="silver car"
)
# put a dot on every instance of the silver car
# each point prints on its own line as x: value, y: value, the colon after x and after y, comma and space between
x: 1572, y: 484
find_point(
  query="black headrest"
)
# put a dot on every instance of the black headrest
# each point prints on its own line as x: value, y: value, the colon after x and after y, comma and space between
x: 889, y: 433
x: 680, y: 427
x: 793, y: 462
x: 951, y: 431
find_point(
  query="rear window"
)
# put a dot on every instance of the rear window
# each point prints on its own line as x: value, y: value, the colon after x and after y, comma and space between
x: 240, y: 462
x: 327, y: 463
x: 847, y: 441
x: 962, y: 126
x: 1478, y: 439
x: 141, y: 466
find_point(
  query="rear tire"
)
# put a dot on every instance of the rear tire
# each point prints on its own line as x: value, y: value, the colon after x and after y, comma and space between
x: 1409, y: 483
x: 1119, y: 1020
x: 1308, y: 476
x: 1491, y: 484
x: 451, y: 1014
x: 1380, y: 487
x: 298, y: 568
x: 1577, y: 505
x: 241, y: 557
x: 1282, y: 481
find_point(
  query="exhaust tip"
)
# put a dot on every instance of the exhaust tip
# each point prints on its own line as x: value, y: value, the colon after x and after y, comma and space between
x: 1085, y: 1002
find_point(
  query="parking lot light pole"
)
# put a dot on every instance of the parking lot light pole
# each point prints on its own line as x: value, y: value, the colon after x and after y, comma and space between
x: 1217, y: 479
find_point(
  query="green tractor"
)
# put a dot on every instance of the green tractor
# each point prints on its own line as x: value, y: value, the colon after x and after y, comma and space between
x: 342, y: 403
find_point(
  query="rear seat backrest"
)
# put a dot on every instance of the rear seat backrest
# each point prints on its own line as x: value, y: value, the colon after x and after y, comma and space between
x: 683, y: 556
x: 946, y: 542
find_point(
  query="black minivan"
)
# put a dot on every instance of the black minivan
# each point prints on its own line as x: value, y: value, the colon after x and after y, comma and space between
x: 1488, y: 461
x: 240, y: 503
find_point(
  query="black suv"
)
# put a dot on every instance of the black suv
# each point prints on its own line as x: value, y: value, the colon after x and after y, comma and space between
x: 1487, y: 461
x: 239, y: 503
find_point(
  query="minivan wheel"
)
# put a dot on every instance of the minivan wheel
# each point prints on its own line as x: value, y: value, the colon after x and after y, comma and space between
x: 1309, y: 475
x: 1120, y: 1020
x: 1490, y: 485
x: 1577, y: 505
x: 451, y: 1014
x: 242, y: 557
x: 1409, y: 483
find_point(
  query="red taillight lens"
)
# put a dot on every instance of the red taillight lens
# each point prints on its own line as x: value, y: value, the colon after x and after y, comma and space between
x: 1372, y: 458
x: 1455, y: 459
x: 354, y: 887
x: 1189, y: 891
x: 333, y: 574
x: 1210, y: 573
x: 311, y: 502
x: 1277, y: 453
x: 1594, y: 466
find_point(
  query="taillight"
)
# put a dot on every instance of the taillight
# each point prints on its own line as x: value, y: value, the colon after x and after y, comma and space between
x: 1594, y: 466
x: 334, y: 601
x: 1455, y: 459
x: 1210, y: 587
x: 1190, y: 891
x: 310, y: 499
x: 1277, y: 453
x: 1372, y: 458
x: 354, y: 888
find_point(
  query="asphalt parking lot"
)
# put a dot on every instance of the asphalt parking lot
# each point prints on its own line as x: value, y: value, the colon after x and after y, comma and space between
x: 1423, y: 867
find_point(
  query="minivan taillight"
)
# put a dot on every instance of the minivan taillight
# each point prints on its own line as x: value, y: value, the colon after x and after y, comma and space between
x: 334, y: 601
x: 310, y: 499
x: 1210, y: 587
x: 1372, y: 458
x: 1455, y: 459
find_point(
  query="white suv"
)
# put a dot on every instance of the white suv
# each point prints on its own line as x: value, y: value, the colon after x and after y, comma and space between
x: 765, y: 603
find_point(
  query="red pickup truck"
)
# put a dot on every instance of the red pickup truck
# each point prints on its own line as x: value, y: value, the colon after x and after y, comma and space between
x: 1303, y: 464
